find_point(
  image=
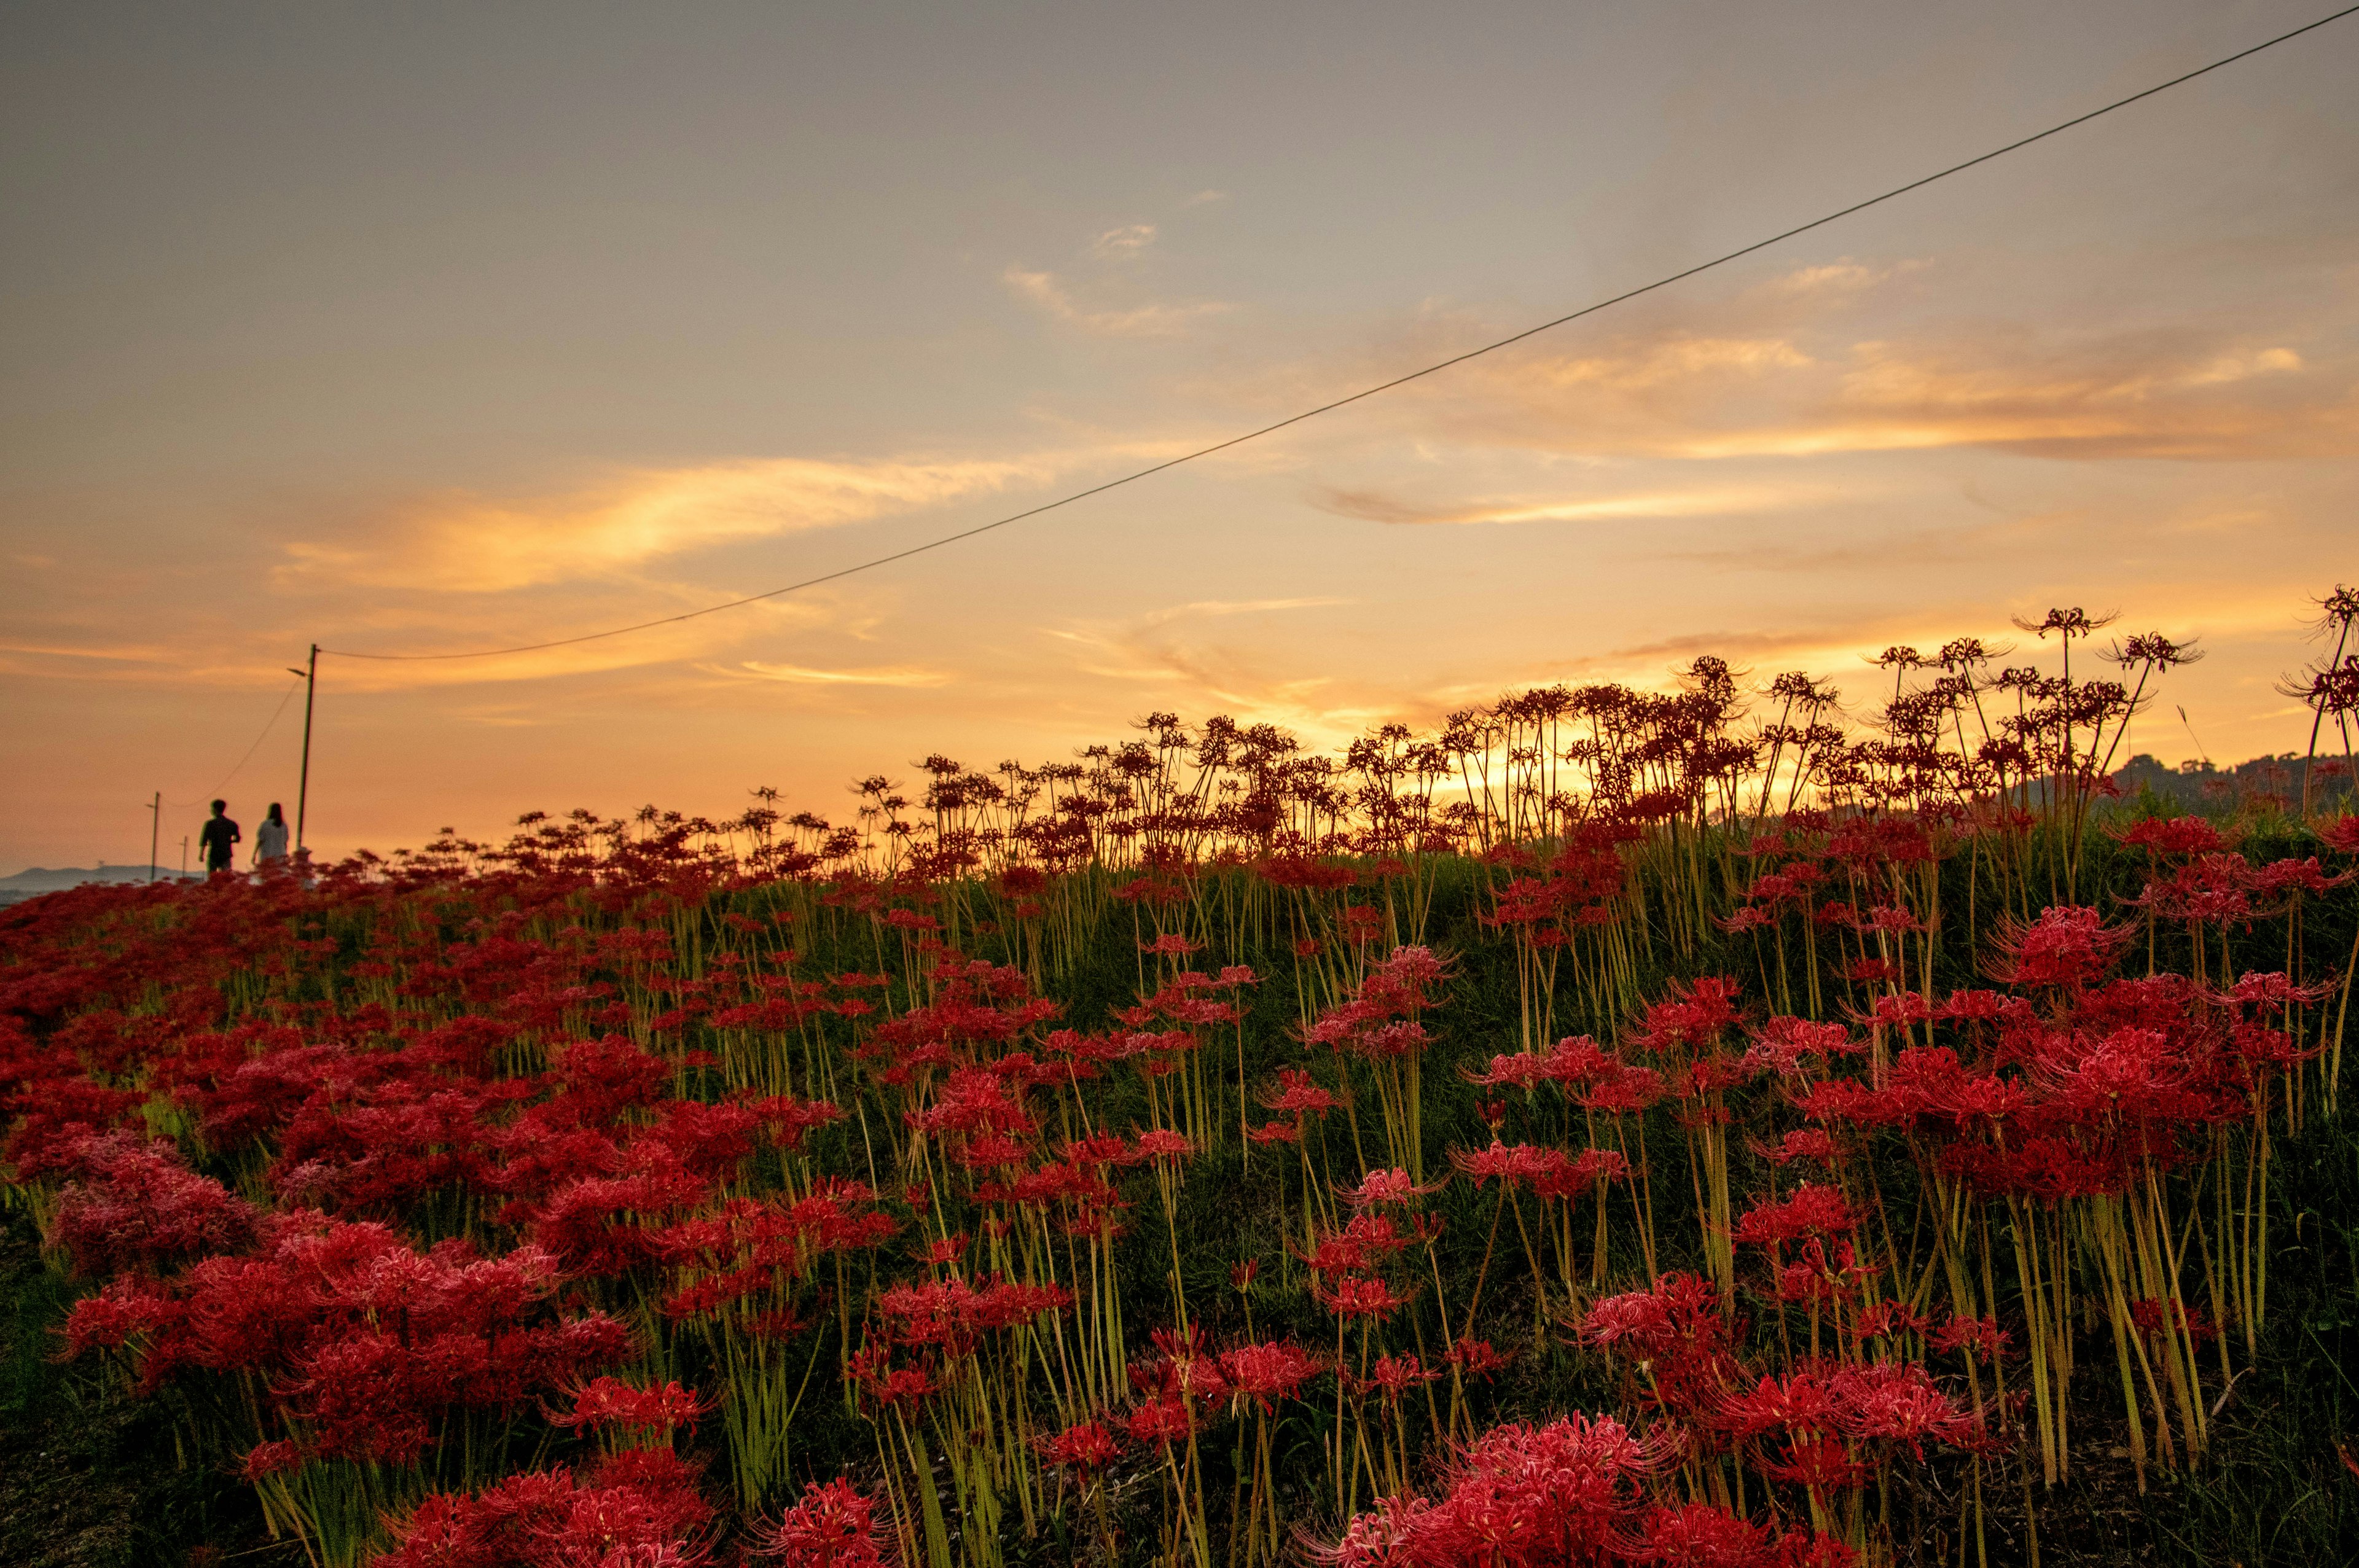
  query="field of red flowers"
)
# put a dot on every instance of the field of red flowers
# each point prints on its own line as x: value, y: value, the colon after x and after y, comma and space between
x: 1697, y: 1127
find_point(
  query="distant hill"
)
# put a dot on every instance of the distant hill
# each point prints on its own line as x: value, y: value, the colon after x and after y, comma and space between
x: 2202, y: 787
x: 34, y: 881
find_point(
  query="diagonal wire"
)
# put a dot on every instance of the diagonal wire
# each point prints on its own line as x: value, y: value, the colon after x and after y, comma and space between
x: 1434, y: 369
x: 275, y: 713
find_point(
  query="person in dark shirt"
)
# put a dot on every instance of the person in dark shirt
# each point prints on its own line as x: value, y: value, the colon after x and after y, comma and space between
x: 216, y: 840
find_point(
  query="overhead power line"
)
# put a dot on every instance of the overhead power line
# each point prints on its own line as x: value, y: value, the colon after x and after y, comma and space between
x: 1366, y: 393
x: 271, y: 724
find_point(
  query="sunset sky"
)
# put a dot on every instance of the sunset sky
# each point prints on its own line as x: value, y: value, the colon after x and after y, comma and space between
x: 422, y: 328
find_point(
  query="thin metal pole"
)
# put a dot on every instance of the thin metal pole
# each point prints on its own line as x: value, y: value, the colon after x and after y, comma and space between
x: 155, y: 831
x: 303, y: 788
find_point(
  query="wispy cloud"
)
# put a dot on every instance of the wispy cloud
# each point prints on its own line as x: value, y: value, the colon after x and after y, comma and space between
x: 1124, y: 244
x: 1375, y: 506
x: 1849, y: 356
x: 1216, y: 607
x: 801, y: 674
x: 1052, y: 295
x: 133, y: 652
x: 2186, y: 392
x: 474, y: 544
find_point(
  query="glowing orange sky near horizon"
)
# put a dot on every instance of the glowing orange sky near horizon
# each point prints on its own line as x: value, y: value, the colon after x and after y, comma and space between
x: 440, y: 336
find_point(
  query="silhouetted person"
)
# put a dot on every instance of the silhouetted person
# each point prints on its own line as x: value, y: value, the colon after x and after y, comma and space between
x: 270, y: 839
x: 218, y: 837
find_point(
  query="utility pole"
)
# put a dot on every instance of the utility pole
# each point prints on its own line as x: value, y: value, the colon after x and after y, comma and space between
x: 184, y: 857
x: 155, y: 831
x: 310, y: 675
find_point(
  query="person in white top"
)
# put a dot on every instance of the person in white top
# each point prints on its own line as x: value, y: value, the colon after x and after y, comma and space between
x: 270, y: 839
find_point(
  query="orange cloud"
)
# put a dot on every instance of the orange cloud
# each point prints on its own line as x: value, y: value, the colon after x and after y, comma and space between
x: 1845, y: 357
x: 2183, y: 396
x: 1377, y: 507
x: 471, y: 545
x: 798, y: 675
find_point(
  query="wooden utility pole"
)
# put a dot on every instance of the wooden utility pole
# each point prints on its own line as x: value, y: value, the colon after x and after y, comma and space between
x: 155, y: 831
x: 311, y: 673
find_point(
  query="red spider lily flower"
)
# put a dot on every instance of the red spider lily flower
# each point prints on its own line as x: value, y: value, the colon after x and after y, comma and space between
x: 1978, y: 1337
x: 266, y: 1459
x: 1365, y: 1240
x: 608, y: 1401
x: 1973, y: 1006
x: 1475, y: 1357
x: 1814, y: 1277
x: 1161, y: 1421
x: 1297, y: 1094
x: 1698, y: 1535
x: 909, y: 1386
x: 2290, y: 877
x: 1888, y: 1320
x: 1821, y: 1461
x: 1677, y: 1331
x: 1694, y: 1015
x: 1900, y: 1010
x: 1183, y: 1368
x: 1163, y: 1146
x: 1808, y: 1210
x: 1743, y: 918
x: 2275, y: 991
x: 1263, y: 1374
x: 641, y: 1506
x: 949, y: 1249
x: 1787, y: 1046
x: 1888, y: 921
x: 365, y: 1347
x: 1335, y: 1252
x: 1392, y: 1375
x: 1086, y: 1448
x: 1800, y: 1401
x: 2180, y: 836
x: 1382, y: 1187
x: 1104, y: 1148
x: 1804, y: 1143
x: 1399, y: 1532
x: 787, y: 1120
x: 1625, y: 1091
x: 1518, y: 1496
x: 833, y: 1525
x: 137, y: 1206
x: 1401, y: 1037
x: 2155, y: 1316
x: 1514, y: 1164
x: 1896, y: 1401
x: 2066, y: 947
x: 991, y: 1150
x: 1357, y: 1297
x: 1523, y: 1070
x: 1804, y: 1549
